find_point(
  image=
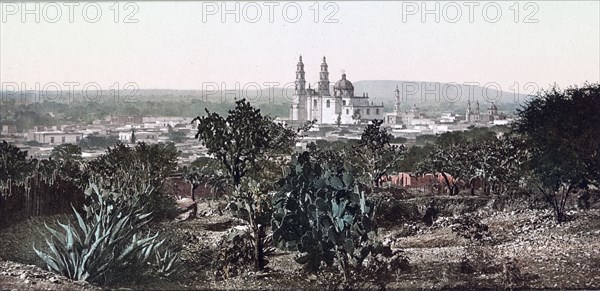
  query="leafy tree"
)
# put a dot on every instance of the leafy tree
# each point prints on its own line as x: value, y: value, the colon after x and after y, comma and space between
x: 135, y: 168
x: 413, y: 157
x: 247, y: 144
x: 447, y: 161
x: 66, y: 153
x: 98, y: 142
x: 561, y: 129
x: 425, y: 139
x: 67, y: 161
x: 206, y: 172
x: 494, y: 161
x: 375, y: 155
x: 243, y: 138
x: 401, y: 140
x: 14, y: 164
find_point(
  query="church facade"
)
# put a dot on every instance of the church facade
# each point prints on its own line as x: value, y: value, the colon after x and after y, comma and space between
x: 320, y: 105
x: 475, y: 116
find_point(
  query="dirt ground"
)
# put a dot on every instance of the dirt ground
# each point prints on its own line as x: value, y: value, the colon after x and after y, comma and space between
x: 526, y: 249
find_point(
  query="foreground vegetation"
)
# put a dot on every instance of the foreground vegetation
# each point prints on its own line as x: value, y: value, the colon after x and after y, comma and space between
x: 325, y: 206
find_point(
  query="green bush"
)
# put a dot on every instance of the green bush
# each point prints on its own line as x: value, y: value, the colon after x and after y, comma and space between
x: 128, y: 170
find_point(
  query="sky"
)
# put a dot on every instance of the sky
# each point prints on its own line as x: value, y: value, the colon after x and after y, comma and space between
x: 186, y: 45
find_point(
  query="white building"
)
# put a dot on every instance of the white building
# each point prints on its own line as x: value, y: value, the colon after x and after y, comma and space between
x: 343, y: 107
x: 55, y: 137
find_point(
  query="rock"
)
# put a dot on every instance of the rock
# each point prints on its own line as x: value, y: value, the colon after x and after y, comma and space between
x: 188, y: 209
x: 186, y: 216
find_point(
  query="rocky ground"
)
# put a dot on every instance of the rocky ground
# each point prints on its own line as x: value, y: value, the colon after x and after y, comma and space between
x: 15, y: 276
x: 525, y: 249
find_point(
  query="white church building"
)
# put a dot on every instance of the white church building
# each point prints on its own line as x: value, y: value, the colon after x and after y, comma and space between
x: 340, y: 108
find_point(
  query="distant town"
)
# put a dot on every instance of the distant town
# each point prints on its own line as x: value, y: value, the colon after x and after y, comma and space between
x: 336, y: 117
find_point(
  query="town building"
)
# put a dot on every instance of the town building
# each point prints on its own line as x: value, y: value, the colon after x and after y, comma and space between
x: 55, y: 137
x: 8, y: 129
x: 477, y: 117
x: 343, y: 107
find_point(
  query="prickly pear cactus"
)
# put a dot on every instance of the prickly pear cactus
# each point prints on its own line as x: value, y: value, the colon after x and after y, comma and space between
x: 320, y: 213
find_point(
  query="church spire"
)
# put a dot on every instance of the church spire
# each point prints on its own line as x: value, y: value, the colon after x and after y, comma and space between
x: 300, y: 81
x: 324, y: 79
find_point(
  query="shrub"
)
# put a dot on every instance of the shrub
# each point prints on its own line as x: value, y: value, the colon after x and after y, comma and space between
x: 237, y: 252
x: 469, y: 227
x: 250, y: 204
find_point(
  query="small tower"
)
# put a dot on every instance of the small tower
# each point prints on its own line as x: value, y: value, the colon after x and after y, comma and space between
x: 415, y: 112
x: 493, y: 109
x: 468, y: 114
x: 397, y: 100
x: 324, y: 79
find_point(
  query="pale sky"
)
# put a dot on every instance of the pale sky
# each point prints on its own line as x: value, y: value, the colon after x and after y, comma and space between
x: 171, y: 47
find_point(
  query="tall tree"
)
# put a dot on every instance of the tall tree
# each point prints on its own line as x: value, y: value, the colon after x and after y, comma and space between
x: 243, y: 138
x: 561, y: 129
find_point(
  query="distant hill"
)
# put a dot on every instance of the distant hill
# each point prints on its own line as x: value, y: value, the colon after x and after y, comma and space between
x: 437, y: 95
x: 430, y: 96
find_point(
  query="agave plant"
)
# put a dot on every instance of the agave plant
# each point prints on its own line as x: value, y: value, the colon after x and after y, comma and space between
x: 103, y: 244
x: 167, y: 263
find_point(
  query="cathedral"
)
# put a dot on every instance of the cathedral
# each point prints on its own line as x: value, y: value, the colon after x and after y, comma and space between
x: 319, y: 105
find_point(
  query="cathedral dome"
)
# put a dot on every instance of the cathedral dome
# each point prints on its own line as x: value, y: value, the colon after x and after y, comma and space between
x: 343, y: 84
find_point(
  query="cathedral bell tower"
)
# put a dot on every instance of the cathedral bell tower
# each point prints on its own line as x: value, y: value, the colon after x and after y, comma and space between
x: 298, y: 108
x: 300, y: 80
x: 324, y: 79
